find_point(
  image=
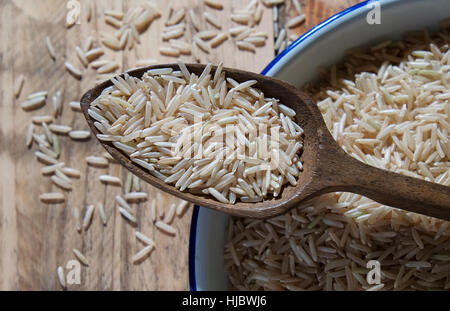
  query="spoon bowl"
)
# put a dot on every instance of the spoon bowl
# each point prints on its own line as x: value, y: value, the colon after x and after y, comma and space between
x: 326, y: 167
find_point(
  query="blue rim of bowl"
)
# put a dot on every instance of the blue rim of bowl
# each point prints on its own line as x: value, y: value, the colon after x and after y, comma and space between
x: 192, y: 247
x: 310, y: 33
x: 193, y: 230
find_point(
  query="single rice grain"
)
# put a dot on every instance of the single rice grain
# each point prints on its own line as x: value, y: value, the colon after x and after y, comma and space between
x: 79, y: 135
x: 73, y: 70
x: 87, y: 219
x: 214, y: 4
x: 110, y: 180
x: 18, y: 85
x: 60, y: 129
x: 50, y: 48
x: 101, y: 212
x: 79, y: 255
x: 143, y: 238
x: 61, y: 277
x: 127, y: 215
x: 52, y: 198
x: 143, y: 253
x: 97, y: 161
x: 295, y: 21
x: 165, y: 228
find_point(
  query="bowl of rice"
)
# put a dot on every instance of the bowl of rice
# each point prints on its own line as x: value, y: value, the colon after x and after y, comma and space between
x: 380, y: 74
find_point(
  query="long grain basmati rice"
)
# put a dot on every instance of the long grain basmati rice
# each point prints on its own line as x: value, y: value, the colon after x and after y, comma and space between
x: 150, y: 133
x: 381, y: 110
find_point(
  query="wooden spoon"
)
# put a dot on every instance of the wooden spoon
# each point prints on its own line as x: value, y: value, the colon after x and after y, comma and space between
x: 327, y: 168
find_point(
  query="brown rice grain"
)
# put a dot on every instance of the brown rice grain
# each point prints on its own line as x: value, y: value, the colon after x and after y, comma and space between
x: 61, y: 183
x: 97, y: 161
x: 18, y: 85
x: 41, y: 119
x: 246, y: 46
x: 127, y: 215
x: 212, y: 20
x: 60, y: 129
x: 33, y: 103
x: 79, y: 135
x: 296, y: 21
x: 73, y: 70
x: 61, y: 277
x: 29, y: 135
x: 93, y: 54
x: 143, y: 253
x: 218, y: 40
x: 169, y: 51
x: 45, y: 158
x: 79, y: 255
x: 181, y: 208
x: 110, y: 180
x: 52, y: 198
x: 71, y: 172
x: 50, y: 48
x: 165, y: 228
x: 214, y: 4
x: 194, y: 20
x: 136, y: 196
x: 87, y: 219
x: 81, y: 56
x: 143, y: 238
x: 76, y: 106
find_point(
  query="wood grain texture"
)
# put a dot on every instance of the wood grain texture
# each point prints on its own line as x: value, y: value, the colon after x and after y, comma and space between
x: 35, y: 238
x: 316, y: 11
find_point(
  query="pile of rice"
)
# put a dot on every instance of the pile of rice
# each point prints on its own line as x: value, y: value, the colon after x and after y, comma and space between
x: 206, y: 134
x: 387, y: 106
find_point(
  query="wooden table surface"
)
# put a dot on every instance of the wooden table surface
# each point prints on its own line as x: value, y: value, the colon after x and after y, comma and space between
x: 35, y: 238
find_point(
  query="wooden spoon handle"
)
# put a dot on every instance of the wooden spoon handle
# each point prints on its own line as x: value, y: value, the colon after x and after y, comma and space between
x: 388, y: 188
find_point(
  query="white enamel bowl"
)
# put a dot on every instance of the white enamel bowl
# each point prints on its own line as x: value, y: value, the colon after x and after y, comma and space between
x: 322, y: 46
